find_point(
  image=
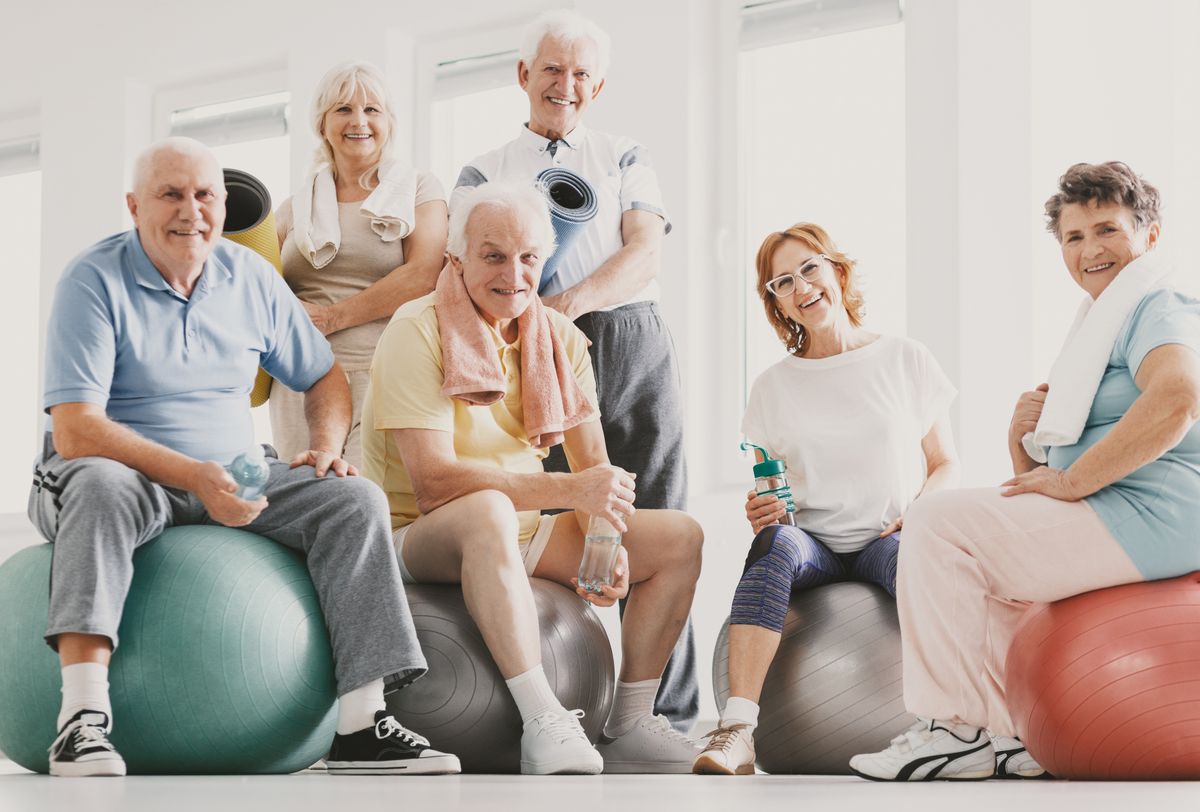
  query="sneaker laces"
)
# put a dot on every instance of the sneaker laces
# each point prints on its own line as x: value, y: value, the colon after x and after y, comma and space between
x: 84, y: 735
x: 388, y: 726
x: 723, y: 738
x: 659, y: 725
x: 562, y: 727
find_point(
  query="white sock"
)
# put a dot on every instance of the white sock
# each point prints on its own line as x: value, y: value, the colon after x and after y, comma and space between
x: 631, y: 701
x: 85, y: 687
x: 531, y: 691
x: 356, y: 709
x: 740, y: 711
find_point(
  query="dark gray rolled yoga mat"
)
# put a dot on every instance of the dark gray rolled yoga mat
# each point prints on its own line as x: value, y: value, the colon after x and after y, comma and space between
x: 572, y: 206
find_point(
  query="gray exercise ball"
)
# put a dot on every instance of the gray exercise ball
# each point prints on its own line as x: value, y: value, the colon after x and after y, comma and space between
x: 463, y: 706
x: 834, y: 688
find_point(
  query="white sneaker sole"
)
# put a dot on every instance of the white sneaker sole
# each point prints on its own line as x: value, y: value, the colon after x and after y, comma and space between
x: 705, y: 765
x: 570, y: 765
x: 93, y: 768
x: 648, y: 767
x: 434, y: 765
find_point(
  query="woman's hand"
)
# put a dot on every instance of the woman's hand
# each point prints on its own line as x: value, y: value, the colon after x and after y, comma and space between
x: 894, y: 527
x: 1053, y: 482
x: 1026, y: 414
x: 764, y: 510
x: 323, y: 318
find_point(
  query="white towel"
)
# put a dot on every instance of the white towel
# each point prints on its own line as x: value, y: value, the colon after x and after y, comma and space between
x: 391, y: 207
x: 1080, y: 365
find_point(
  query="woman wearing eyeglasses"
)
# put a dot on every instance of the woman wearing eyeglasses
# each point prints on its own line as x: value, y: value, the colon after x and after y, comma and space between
x: 862, y: 421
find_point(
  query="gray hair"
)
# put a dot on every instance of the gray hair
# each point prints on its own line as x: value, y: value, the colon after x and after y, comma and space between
x: 143, y: 165
x: 508, y: 195
x: 339, y: 84
x: 566, y: 25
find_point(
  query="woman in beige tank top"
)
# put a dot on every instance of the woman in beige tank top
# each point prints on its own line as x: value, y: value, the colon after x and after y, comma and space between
x: 362, y: 236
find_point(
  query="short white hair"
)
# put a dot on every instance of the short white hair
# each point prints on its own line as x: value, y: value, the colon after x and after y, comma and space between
x: 339, y: 84
x: 143, y: 165
x: 524, y: 198
x: 569, y: 26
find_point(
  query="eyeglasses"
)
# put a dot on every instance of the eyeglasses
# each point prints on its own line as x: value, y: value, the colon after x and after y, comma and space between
x: 785, y: 285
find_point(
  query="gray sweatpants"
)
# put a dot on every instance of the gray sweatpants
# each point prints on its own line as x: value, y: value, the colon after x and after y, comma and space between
x: 641, y: 412
x: 97, y: 511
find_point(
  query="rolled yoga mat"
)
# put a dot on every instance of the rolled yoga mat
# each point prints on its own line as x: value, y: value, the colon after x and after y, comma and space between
x: 249, y: 221
x: 572, y: 206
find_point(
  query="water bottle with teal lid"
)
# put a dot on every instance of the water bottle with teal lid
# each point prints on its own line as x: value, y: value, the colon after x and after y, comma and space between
x: 250, y: 470
x: 770, y: 476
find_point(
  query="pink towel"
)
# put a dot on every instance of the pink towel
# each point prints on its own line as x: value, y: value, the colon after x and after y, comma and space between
x: 551, y: 398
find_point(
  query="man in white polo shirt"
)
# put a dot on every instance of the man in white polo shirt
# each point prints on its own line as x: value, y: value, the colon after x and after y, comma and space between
x: 606, y: 279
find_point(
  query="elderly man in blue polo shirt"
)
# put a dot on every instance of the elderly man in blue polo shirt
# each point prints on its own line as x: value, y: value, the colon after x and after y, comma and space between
x: 153, y: 342
x: 606, y: 281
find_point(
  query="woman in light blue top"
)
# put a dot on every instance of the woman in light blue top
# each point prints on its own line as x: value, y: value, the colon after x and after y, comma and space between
x: 1117, y: 502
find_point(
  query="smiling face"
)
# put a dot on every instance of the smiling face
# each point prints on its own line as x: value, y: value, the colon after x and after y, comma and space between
x: 816, y: 304
x: 356, y: 128
x: 502, y: 266
x: 178, y: 206
x: 1099, y: 240
x: 560, y: 83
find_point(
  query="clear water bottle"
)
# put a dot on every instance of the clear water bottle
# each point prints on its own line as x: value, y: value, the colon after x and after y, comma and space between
x: 599, y: 555
x: 770, y: 476
x: 250, y: 470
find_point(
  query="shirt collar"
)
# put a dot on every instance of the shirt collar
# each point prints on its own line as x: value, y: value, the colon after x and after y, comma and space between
x: 538, y: 143
x: 148, y: 276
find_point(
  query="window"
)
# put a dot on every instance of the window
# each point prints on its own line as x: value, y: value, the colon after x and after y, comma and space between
x: 471, y: 124
x: 21, y: 213
x: 822, y: 139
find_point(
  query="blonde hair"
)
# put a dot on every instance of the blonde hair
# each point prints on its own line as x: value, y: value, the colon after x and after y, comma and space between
x: 818, y: 241
x: 340, y: 84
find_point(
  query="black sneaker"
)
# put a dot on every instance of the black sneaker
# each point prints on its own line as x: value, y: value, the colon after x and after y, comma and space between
x: 387, y: 748
x: 82, y: 747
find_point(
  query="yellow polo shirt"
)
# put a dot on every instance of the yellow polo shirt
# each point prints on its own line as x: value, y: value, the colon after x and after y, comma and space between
x: 406, y: 393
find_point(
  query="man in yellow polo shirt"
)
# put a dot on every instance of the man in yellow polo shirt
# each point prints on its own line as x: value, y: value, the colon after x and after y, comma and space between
x: 466, y: 489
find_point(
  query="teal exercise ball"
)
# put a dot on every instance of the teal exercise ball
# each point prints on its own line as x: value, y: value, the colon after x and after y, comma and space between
x: 224, y: 663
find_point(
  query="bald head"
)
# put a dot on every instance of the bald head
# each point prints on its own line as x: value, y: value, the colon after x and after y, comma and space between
x: 173, y: 151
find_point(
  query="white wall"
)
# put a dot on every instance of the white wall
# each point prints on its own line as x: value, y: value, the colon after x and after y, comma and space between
x: 1001, y: 96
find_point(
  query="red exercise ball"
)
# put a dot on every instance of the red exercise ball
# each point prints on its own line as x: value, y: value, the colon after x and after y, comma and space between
x: 1106, y: 685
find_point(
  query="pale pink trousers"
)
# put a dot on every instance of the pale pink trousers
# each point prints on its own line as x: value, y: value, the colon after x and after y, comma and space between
x: 971, y: 561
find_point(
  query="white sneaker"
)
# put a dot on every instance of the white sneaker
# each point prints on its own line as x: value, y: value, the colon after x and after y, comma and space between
x: 931, y: 750
x: 650, y: 746
x: 554, y: 743
x: 1014, y: 761
x: 730, y: 751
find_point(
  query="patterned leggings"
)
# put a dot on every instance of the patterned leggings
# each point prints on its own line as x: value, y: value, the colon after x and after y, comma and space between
x: 785, y: 558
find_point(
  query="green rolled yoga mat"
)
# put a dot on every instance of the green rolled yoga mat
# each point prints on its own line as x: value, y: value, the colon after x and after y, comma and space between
x: 249, y: 221
x: 224, y: 663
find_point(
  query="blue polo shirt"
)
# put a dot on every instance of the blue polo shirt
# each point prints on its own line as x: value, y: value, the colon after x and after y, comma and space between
x: 1153, y: 512
x: 177, y: 370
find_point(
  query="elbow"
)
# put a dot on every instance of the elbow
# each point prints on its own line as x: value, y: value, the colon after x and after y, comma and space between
x: 67, y: 443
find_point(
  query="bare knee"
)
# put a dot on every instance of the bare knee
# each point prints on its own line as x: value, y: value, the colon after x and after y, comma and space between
x: 494, y: 523
x: 687, y: 542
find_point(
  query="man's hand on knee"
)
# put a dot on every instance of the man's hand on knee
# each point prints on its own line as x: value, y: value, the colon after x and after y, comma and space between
x: 323, y: 462
x: 215, y: 489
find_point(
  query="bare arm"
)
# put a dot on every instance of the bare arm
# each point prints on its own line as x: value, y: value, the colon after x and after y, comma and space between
x: 941, y: 464
x: 327, y: 411
x: 1024, y: 420
x: 424, y: 255
x: 84, y: 430
x: 1169, y: 405
x: 439, y: 476
x: 624, y: 273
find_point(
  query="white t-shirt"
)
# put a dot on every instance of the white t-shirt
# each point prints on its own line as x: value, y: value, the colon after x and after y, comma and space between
x: 849, y: 428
